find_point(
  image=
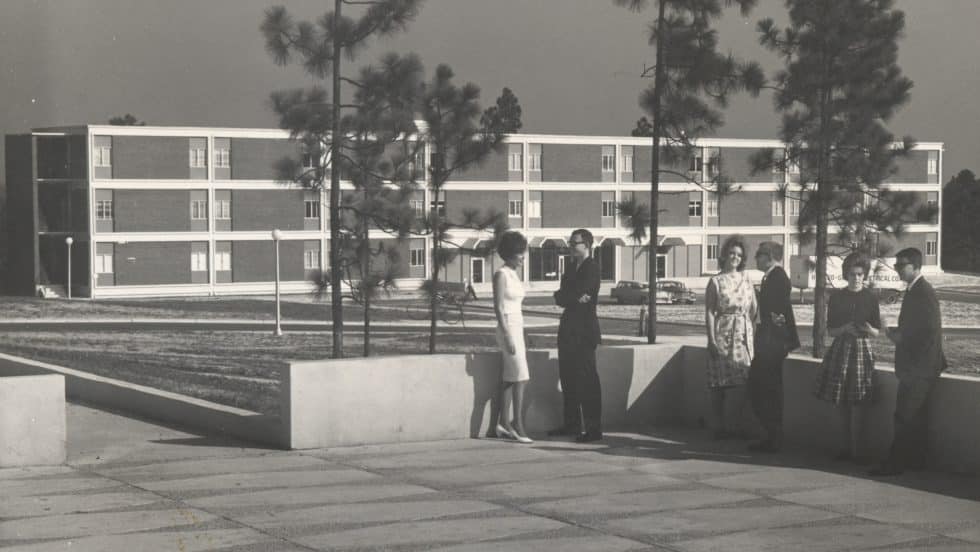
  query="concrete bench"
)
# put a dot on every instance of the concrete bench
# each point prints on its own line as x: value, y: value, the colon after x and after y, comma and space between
x: 32, y: 420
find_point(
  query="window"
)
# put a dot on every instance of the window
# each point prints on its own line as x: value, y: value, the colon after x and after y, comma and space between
x: 712, y: 167
x: 608, y: 207
x: 514, y: 162
x: 777, y: 205
x: 222, y: 209
x: 439, y: 204
x: 627, y: 162
x: 199, y: 261
x: 103, y: 263
x: 312, y: 208
x: 534, y: 161
x: 794, y: 245
x: 697, y: 163
x: 199, y: 209
x: 931, y: 245
x: 792, y: 166
x: 417, y: 257
x: 794, y: 206
x: 311, y: 259
x: 103, y: 209
x: 777, y: 161
x: 711, y: 206
x: 222, y: 158
x: 932, y: 200
x: 533, y: 207
x: 515, y: 208
x: 310, y: 160
x: 608, y: 162
x: 416, y: 166
x: 102, y: 156
x: 222, y: 261
x: 712, y: 251
x: 198, y: 157
x: 694, y: 208
x: 419, y: 206
x: 932, y: 165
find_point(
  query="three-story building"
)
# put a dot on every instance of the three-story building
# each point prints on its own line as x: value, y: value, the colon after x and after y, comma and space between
x: 189, y: 211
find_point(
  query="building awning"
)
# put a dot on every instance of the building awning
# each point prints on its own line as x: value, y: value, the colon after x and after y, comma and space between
x: 470, y: 243
x: 540, y: 241
x: 612, y: 240
x: 483, y: 247
x: 669, y: 242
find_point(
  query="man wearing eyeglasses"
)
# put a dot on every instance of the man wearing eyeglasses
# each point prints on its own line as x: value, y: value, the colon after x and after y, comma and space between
x: 578, y: 337
x: 919, y: 359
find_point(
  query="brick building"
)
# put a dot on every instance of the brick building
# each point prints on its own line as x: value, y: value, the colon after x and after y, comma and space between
x: 189, y: 211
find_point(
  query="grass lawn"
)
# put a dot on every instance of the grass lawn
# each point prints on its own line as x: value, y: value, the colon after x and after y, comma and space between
x: 294, y: 307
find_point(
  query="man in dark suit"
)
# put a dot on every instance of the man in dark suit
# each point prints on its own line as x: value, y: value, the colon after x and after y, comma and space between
x: 578, y: 337
x: 919, y: 359
x: 775, y: 337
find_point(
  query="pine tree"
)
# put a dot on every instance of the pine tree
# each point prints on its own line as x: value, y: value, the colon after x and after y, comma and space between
x: 691, y: 83
x: 459, y: 137
x: 961, y: 226
x: 313, y: 116
x: 840, y: 85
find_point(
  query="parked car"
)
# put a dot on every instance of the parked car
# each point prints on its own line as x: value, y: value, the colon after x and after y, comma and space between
x: 677, y: 291
x: 637, y: 293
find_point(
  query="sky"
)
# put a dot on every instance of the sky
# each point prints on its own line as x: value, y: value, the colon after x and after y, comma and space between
x: 574, y: 64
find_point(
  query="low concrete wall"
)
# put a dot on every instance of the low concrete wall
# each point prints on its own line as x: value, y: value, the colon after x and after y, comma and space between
x: 954, y: 439
x: 32, y: 420
x: 153, y: 403
x: 416, y: 398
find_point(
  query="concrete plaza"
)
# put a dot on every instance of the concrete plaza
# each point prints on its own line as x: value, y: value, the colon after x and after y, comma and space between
x: 133, y: 485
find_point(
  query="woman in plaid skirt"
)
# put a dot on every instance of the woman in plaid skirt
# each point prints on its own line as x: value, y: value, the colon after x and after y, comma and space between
x: 846, y: 374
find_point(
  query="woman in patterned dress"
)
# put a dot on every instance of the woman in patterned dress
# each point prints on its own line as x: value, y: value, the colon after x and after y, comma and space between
x: 845, y: 377
x: 730, y: 313
x: 508, y: 299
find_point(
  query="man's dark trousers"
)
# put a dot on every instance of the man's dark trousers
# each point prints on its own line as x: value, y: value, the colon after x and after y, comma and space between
x: 581, y: 390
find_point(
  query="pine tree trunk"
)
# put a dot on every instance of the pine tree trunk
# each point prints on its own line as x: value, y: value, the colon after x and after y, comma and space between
x: 658, y: 79
x: 336, y: 298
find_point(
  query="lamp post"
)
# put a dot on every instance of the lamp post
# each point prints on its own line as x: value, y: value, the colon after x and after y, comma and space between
x: 276, y: 236
x: 68, y: 242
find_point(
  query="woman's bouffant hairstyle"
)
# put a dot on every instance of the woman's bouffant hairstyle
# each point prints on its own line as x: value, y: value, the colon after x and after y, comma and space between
x: 734, y: 240
x: 856, y: 259
x: 511, y: 243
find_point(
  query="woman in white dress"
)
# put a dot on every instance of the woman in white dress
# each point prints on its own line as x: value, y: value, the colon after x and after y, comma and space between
x: 508, y: 299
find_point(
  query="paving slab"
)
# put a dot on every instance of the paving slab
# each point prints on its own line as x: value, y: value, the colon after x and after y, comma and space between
x: 810, y: 539
x: 640, y: 502
x: 579, y: 485
x: 337, y: 494
x: 184, y: 541
x: 149, y: 471
x: 778, y: 479
x: 46, y: 505
x: 76, y: 525
x: 467, y: 476
x: 442, y: 458
x: 856, y: 496
x: 719, y: 520
x: 928, y: 509
x: 565, y: 544
x: 262, y: 479
x: 432, y: 532
x: 374, y: 512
